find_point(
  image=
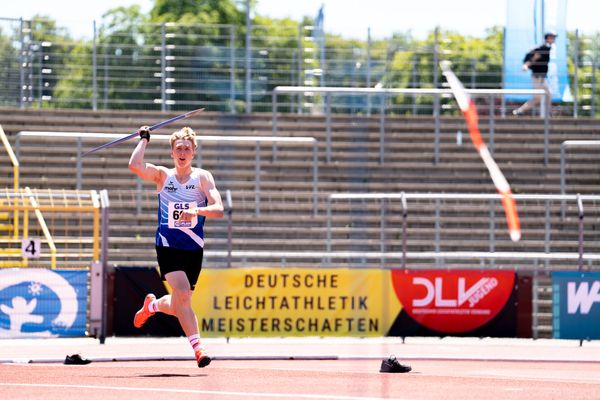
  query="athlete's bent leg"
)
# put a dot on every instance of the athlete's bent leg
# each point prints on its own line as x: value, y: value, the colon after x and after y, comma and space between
x: 181, y: 302
x: 181, y: 305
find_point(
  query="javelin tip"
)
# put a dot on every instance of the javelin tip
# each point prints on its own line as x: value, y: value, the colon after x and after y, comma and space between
x: 194, y: 112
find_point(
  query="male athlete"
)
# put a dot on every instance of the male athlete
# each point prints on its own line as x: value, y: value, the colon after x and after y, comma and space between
x: 186, y: 197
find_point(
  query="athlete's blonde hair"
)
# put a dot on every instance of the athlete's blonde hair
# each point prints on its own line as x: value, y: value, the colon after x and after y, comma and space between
x: 186, y: 133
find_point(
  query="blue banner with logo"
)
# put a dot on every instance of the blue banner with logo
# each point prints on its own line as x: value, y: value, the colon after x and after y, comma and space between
x: 526, y: 23
x: 576, y: 305
x: 42, y: 303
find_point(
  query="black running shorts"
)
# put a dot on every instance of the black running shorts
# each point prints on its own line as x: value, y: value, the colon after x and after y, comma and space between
x: 188, y: 261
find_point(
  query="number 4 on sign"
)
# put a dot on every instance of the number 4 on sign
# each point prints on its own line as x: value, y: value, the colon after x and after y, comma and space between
x: 31, y: 248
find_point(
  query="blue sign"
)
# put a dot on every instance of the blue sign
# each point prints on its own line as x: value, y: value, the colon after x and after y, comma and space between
x: 42, y: 303
x: 576, y: 305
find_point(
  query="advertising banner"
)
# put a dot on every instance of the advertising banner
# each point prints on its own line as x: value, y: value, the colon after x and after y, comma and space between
x: 295, y: 302
x: 526, y: 23
x: 263, y: 302
x: 42, y: 303
x: 576, y: 305
x: 455, y: 302
x: 131, y: 285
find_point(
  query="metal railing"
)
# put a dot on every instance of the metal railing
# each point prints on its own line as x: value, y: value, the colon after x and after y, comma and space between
x: 563, y: 162
x: 383, y: 94
x: 61, y: 208
x: 325, y: 259
x: 79, y: 137
x: 386, y: 216
x: 15, y: 163
x: 31, y: 200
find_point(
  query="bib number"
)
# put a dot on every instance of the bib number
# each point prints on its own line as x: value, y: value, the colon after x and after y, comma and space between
x: 176, y: 210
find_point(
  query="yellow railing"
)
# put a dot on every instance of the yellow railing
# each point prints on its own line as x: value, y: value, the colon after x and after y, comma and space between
x: 50, y: 202
x: 42, y: 222
x: 15, y: 164
x: 60, y: 206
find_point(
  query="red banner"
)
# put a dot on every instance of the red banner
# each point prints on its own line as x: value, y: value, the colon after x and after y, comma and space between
x: 455, y: 301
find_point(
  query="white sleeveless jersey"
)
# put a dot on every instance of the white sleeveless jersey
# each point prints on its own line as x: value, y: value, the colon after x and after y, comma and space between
x: 172, y: 199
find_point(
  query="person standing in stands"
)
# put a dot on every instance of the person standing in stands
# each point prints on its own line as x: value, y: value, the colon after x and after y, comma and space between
x: 537, y: 61
x: 187, y: 196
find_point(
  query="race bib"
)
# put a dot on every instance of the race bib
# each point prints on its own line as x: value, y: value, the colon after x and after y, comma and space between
x: 176, y: 209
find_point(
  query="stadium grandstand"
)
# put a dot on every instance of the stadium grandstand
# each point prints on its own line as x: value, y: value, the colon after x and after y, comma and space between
x: 355, y: 158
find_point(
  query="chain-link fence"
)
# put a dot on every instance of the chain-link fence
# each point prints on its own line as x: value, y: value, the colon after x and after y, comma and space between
x: 178, y: 67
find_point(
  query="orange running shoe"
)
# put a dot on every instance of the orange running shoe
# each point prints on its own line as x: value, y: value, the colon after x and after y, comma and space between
x: 202, y: 358
x: 143, y: 314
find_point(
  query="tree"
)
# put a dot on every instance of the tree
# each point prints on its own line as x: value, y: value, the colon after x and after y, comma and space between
x: 197, y: 11
x: 9, y: 71
x: 199, y: 49
x: 122, y: 65
x: 45, y: 52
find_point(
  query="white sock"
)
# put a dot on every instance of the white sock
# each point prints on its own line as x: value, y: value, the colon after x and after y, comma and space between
x: 153, y: 306
x: 195, y: 341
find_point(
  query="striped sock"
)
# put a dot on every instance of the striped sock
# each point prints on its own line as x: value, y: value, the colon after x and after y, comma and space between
x: 195, y: 341
x: 153, y: 306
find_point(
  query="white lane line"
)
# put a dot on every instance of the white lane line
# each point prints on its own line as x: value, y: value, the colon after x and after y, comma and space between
x: 195, y: 391
x: 192, y: 366
x: 540, y: 375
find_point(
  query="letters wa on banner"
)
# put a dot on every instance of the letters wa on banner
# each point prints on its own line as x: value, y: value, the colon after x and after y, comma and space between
x: 576, y: 305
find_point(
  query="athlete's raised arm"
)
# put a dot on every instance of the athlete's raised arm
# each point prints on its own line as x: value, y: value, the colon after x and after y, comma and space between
x: 146, y: 171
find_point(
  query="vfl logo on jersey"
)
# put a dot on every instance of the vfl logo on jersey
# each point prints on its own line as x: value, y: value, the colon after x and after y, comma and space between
x: 190, y: 186
x: 171, y: 187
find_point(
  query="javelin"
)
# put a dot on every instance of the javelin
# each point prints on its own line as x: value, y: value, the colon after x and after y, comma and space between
x: 469, y: 111
x: 153, y: 127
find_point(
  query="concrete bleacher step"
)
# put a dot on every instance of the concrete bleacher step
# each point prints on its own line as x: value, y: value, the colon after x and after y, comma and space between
x: 287, y: 219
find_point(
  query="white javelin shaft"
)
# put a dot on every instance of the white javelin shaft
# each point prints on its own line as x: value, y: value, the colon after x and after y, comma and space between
x: 497, y: 176
x: 470, y: 112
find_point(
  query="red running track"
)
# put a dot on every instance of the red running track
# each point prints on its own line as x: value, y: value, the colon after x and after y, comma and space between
x: 331, y: 368
x: 302, y: 379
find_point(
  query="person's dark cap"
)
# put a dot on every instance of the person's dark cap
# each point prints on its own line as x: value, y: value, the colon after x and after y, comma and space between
x: 551, y: 33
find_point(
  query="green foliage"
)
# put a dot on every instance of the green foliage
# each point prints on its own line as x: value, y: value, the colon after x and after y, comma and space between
x: 47, y: 53
x: 44, y: 29
x: 124, y: 54
x: 589, y: 63
x: 197, y: 11
x: 202, y: 37
x: 122, y: 24
x: 75, y: 90
x: 9, y: 71
x: 410, y: 63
